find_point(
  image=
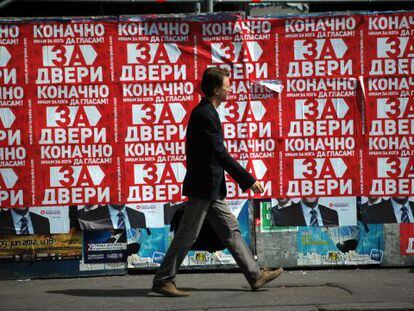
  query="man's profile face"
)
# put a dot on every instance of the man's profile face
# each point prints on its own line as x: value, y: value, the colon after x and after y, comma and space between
x: 223, y: 90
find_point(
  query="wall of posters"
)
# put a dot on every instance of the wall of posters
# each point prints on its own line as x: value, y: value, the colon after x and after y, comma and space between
x: 93, y: 116
x: 103, y: 105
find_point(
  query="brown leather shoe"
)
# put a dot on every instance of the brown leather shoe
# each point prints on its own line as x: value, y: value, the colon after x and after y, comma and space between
x: 169, y: 289
x: 265, y: 277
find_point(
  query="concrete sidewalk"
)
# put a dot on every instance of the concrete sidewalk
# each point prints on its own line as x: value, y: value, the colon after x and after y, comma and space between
x: 358, y: 289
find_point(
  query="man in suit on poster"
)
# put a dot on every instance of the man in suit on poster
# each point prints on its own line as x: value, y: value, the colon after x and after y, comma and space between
x: 281, y: 203
x: 20, y: 221
x: 362, y: 211
x: 110, y: 216
x: 394, y: 210
x: 307, y: 212
x: 205, y: 186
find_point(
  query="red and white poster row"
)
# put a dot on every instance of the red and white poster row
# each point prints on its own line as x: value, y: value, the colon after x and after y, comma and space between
x: 95, y: 111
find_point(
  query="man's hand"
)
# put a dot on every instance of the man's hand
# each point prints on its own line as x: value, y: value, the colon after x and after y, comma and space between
x: 257, y: 187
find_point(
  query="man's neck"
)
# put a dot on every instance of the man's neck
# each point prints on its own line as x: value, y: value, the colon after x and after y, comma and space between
x: 214, y: 101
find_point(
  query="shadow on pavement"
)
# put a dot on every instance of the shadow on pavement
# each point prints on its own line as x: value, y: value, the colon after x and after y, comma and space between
x: 136, y: 292
x: 139, y: 292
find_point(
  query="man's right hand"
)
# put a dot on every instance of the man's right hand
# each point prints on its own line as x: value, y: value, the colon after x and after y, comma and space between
x: 257, y: 187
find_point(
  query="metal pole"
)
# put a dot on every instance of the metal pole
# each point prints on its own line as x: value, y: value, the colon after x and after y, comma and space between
x: 5, y: 3
x: 210, y: 6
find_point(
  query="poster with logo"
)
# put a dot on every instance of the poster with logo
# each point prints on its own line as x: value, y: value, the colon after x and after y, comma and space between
x: 156, y: 68
x: 381, y: 210
x: 41, y: 247
x: 15, y: 137
x: 74, y: 111
x: 389, y: 105
x: 104, y: 246
x: 34, y: 220
x: 119, y: 216
x: 249, y: 114
x: 310, y: 211
x: 346, y: 245
x: 320, y: 106
x: 407, y: 239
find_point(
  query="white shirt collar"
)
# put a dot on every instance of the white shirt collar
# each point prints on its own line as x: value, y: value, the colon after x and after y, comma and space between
x: 397, y: 210
x: 306, y: 210
x: 113, y: 212
x: 17, y: 221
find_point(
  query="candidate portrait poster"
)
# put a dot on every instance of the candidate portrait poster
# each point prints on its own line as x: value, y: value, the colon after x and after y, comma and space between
x: 311, y: 212
x: 34, y: 220
x: 381, y: 210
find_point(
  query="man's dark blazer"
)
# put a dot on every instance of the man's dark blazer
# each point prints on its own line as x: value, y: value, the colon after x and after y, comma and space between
x: 382, y: 212
x: 293, y: 216
x: 41, y: 225
x: 100, y: 218
x: 207, y: 157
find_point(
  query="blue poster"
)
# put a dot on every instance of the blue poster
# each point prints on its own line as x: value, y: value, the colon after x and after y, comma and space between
x: 345, y: 245
x: 105, y: 246
x: 147, y: 247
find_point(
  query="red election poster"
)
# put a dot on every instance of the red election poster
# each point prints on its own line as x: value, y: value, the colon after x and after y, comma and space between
x: 15, y: 152
x: 389, y: 105
x: 156, y: 67
x: 407, y: 239
x: 247, y: 49
x: 74, y: 112
x: 320, y: 109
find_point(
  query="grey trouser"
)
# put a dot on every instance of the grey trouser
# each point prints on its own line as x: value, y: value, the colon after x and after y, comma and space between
x: 223, y: 223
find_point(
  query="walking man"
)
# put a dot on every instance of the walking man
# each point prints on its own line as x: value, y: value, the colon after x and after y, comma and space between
x: 205, y: 186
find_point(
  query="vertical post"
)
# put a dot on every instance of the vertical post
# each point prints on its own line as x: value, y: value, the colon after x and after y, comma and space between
x: 197, y: 7
x: 210, y: 6
x: 247, y: 9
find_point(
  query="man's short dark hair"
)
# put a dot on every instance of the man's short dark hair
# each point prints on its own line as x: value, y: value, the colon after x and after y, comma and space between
x: 213, y: 78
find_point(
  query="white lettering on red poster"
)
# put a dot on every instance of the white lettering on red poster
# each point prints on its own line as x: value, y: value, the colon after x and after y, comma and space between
x: 156, y: 66
x: 15, y: 151
x: 76, y: 113
x: 249, y: 114
x: 319, y: 109
x: 389, y: 105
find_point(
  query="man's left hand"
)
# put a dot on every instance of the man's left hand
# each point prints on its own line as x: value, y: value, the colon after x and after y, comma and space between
x: 257, y: 187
